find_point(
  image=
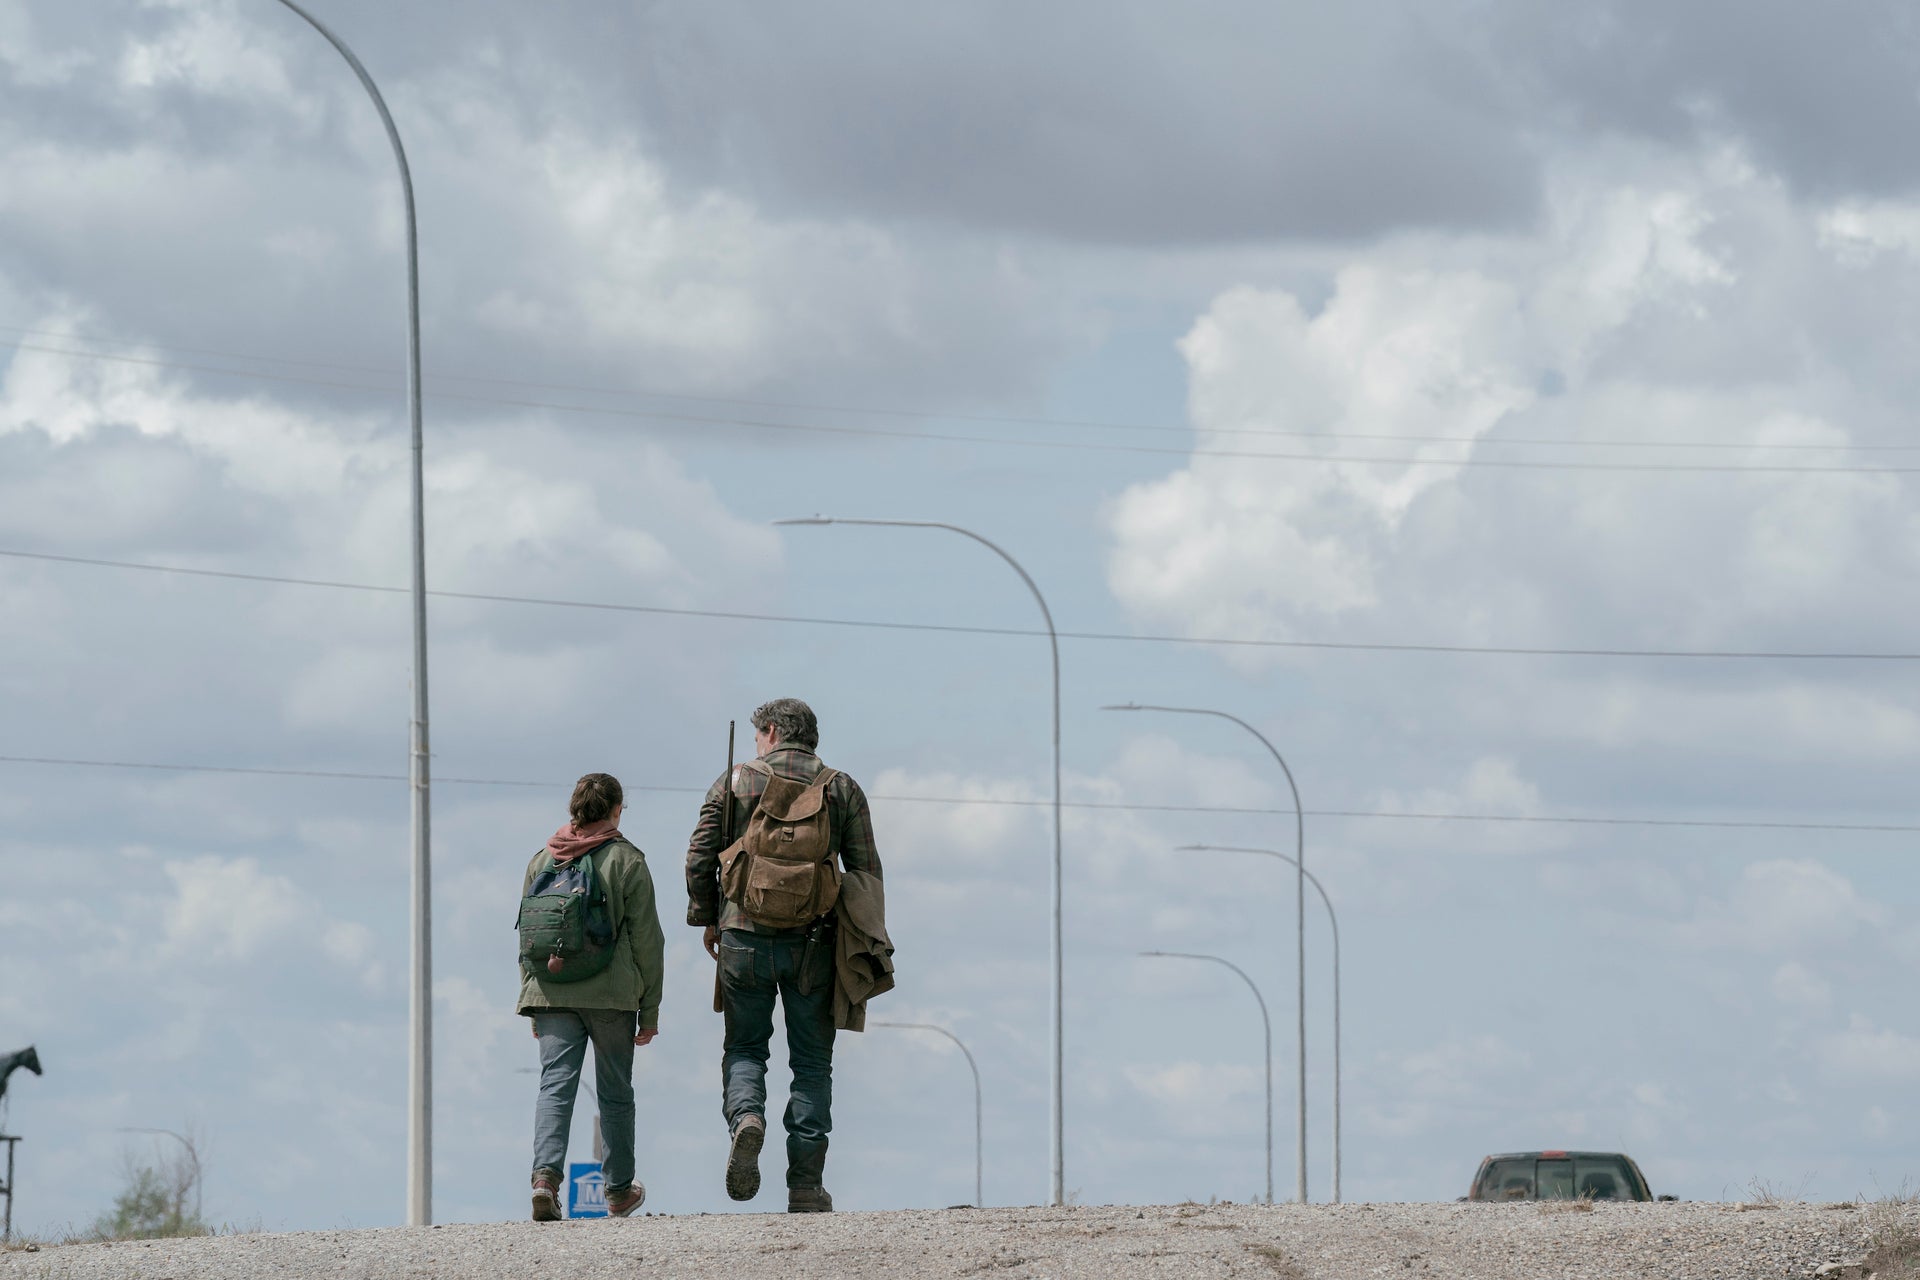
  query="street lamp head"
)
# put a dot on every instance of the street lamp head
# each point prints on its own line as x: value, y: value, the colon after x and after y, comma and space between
x: 1123, y: 706
x: 813, y: 519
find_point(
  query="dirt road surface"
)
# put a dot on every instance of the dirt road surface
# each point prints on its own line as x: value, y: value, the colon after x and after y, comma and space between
x: 1314, y: 1242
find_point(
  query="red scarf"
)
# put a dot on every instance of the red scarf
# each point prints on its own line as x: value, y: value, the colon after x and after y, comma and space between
x: 572, y: 840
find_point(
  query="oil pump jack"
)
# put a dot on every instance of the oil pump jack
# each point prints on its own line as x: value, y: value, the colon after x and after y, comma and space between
x: 9, y: 1064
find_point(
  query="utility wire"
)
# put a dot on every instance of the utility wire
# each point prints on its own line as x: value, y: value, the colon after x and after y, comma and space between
x: 964, y: 629
x: 761, y: 424
x: 913, y: 414
x: 1372, y: 814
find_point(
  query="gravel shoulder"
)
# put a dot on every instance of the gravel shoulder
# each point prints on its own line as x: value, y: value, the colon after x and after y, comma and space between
x: 1296, y: 1242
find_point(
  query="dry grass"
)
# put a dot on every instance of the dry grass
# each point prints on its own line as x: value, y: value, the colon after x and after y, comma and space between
x: 1277, y: 1260
x: 1582, y: 1205
x: 1893, y: 1235
x: 1762, y: 1194
x: 20, y: 1242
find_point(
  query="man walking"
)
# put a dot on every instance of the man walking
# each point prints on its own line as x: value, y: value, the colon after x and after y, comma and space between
x: 784, y: 879
x: 590, y: 971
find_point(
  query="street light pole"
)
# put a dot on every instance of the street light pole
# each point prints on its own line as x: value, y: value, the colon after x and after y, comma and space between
x: 420, y: 1002
x: 1266, y: 1025
x: 979, y: 1196
x: 1059, y: 1176
x: 1300, y: 905
x: 1333, y: 921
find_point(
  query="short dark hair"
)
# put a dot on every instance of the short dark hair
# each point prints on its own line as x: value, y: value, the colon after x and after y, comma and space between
x: 595, y: 797
x: 793, y: 718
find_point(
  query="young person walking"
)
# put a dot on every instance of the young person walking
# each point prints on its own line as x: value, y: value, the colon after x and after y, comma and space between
x: 591, y: 961
x: 783, y: 877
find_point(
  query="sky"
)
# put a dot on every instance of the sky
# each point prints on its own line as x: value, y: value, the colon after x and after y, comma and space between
x: 1504, y: 407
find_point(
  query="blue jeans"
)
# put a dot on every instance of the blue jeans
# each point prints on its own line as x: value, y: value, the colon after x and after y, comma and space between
x: 754, y: 968
x: 564, y: 1034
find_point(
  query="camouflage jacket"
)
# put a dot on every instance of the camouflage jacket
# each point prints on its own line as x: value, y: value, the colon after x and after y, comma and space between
x: 852, y: 826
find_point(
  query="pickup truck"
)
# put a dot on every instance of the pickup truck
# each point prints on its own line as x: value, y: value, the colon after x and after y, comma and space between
x: 1560, y: 1175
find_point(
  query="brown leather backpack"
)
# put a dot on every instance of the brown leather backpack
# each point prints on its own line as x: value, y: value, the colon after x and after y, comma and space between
x: 782, y: 872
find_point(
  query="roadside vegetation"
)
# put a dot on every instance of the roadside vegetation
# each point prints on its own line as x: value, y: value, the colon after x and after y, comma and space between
x: 160, y: 1199
x: 1893, y: 1242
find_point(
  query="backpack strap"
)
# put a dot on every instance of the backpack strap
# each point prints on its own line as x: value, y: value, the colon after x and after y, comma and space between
x: 823, y: 780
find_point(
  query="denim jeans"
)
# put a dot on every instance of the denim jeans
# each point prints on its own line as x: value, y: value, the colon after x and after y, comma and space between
x: 754, y: 968
x: 564, y: 1034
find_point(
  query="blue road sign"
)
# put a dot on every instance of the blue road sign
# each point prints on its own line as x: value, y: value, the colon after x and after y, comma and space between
x: 586, y: 1190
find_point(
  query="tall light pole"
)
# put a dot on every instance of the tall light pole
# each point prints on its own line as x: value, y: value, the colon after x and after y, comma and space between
x: 1300, y: 904
x: 1266, y: 1025
x: 979, y: 1147
x: 420, y: 1001
x: 1333, y: 921
x: 1053, y: 639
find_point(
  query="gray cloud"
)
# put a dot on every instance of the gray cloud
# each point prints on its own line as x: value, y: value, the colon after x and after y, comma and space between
x: 1822, y: 95
x: 1130, y: 123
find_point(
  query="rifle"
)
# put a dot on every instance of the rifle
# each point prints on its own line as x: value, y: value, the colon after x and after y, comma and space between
x: 726, y: 811
x: 726, y: 841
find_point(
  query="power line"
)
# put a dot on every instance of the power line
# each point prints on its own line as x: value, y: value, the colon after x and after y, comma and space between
x: 914, y: 414
x: 966, y: 629
x: 761, y: 424
x: 1108, y: 805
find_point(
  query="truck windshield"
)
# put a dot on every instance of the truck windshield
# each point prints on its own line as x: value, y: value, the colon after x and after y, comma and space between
x: 1508, y: 1180
x: 1558, y: 1178
x: 1602, y: 1178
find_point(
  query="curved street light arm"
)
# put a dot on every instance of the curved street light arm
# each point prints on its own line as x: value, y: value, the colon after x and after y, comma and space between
x: 1299, y: 814
x: 1058, y: 1082
x: 420, y: 1019
x: 1300, y: 910
x: 1333, y: 922
x: 1332, y: 919
x: 979, y: 1196
x: 1266, y: 1025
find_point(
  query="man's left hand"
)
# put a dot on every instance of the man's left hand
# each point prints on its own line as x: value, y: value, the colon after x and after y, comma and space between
x: 646, y: 1035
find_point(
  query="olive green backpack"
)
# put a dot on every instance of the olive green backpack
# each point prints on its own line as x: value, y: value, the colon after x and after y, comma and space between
x: 566, y: 930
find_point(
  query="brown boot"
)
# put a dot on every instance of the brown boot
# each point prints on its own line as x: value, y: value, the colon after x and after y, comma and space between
x: 743, y: 1157
x: 546, y: 1196
x: 809, y: 1200
x: 622, y: 1203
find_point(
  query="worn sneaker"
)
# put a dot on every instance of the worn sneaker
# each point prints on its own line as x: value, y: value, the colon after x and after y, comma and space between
x: 546, y: 1197
x: 809, y: 1200
x: 743, y: 1158
x: 622, y: 1203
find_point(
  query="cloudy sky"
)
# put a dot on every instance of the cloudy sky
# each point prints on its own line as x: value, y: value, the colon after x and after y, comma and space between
x: 1532, y: 385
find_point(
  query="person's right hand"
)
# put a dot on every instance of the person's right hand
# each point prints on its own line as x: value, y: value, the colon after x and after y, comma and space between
x: 710, y: 939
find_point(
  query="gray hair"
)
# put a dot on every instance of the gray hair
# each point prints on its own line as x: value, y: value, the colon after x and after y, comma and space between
x: 793, y: 718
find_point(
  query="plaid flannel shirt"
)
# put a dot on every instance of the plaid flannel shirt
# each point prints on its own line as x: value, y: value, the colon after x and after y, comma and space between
x: 851, y: 824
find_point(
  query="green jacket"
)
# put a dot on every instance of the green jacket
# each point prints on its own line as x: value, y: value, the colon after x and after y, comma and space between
x: 634, y: 978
